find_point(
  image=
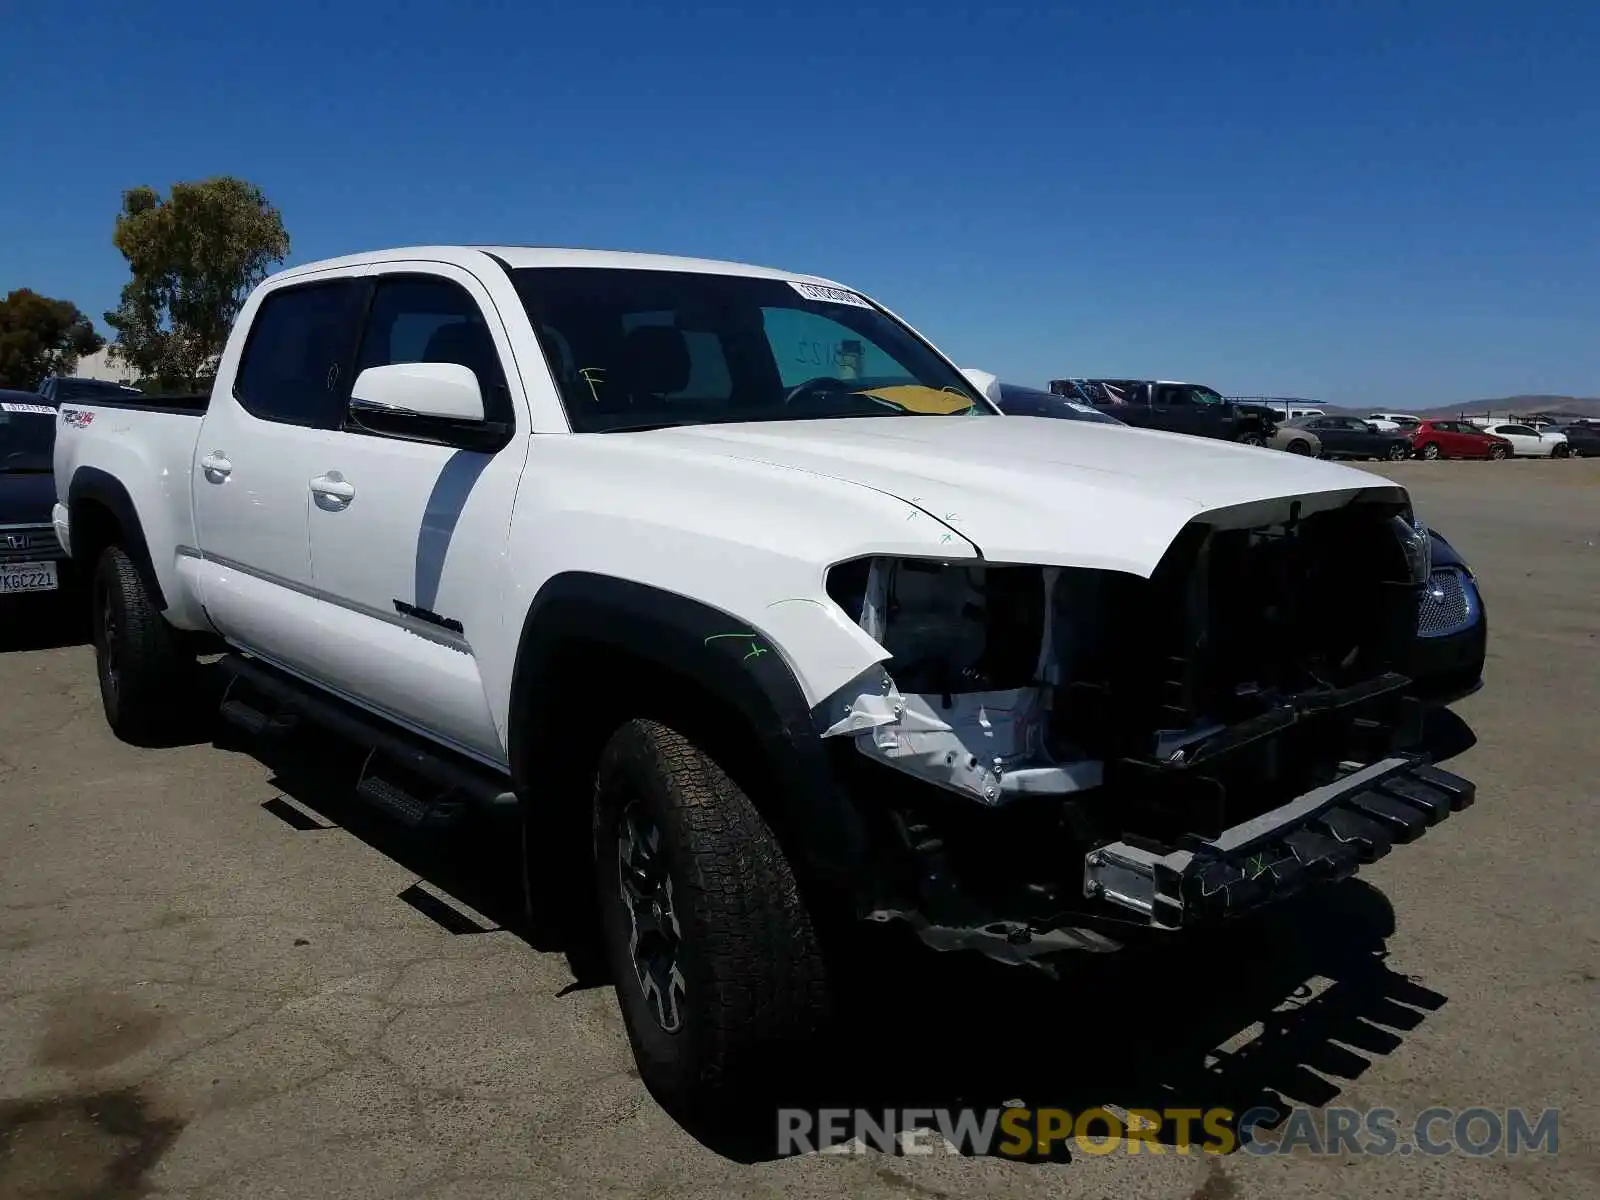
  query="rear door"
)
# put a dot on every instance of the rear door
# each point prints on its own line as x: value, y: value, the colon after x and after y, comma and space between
x: 255, y: 454
x: 409, y: 527
x: 1135, y: 408
x: 1465, y: 440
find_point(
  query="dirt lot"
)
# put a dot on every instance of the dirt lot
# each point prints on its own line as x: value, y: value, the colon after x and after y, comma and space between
x: 219, y: 979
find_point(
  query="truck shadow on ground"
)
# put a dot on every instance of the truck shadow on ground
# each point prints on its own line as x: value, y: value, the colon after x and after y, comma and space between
x: 1279, y: 1010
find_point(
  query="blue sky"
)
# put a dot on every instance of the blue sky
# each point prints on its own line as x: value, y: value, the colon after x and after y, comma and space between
x: 1394, y: 201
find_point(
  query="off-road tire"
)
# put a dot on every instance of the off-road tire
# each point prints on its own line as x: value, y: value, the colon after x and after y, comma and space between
x: 148, y: 680
x: 756, y: 993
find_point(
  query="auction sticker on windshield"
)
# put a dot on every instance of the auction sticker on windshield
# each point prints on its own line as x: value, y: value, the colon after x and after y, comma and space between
x: 43, y: 409
x: 1083, y: 408
x: 828, y: 295
x: 27, y: 577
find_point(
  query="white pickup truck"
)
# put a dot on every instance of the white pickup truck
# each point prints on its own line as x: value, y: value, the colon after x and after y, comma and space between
x: 755, y: 611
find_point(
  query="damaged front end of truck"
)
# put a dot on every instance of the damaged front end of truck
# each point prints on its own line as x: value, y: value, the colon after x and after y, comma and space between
x: 1056, y: 758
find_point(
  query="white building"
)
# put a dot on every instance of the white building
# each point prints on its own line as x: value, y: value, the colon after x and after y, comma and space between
x: 100, y: 365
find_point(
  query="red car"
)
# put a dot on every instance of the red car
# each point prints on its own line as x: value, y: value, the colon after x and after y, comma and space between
x: 1457, y: 439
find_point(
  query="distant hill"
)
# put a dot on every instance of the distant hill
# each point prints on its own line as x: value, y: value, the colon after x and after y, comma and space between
x: 1575, y: 406
x: 1571, y: 406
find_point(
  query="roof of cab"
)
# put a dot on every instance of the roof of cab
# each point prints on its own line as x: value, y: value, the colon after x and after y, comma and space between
x: 547, y: 256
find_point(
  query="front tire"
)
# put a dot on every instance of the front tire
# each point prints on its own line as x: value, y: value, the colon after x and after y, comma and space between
x: 1299, y: 446
x: 1431, y: 451
x: 1560, y: 450
x: 1497, y: 453
x: 717, y: 964
x: 147, y: 678
x: 1398, y: 451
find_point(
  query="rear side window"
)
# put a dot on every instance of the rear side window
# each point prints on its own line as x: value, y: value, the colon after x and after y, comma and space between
x: 296, y: 364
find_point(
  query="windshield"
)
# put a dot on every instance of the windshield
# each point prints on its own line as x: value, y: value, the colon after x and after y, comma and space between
x: 1030, y: 402
x: 642, y: 349
x: 27, y: 437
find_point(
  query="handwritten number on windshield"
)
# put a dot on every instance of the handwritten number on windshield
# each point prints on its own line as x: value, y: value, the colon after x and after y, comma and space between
x: 818, y: 354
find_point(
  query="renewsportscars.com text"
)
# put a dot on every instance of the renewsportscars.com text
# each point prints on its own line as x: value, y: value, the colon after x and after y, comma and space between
x: 1022, y: 1132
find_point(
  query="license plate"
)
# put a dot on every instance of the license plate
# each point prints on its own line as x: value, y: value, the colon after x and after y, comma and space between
x: 27, y: 577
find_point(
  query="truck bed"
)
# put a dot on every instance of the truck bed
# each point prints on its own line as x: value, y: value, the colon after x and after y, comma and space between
x: 176, y: 403
x: 134, y: 459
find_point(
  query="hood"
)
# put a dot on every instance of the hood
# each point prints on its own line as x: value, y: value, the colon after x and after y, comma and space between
x: 26, y: 499
x: 1037, y: 490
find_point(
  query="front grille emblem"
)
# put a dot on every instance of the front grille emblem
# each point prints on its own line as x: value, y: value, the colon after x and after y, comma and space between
x: 17, y: 541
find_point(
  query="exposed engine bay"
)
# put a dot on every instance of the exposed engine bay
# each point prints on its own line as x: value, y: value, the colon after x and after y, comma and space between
x: 1061, y: 715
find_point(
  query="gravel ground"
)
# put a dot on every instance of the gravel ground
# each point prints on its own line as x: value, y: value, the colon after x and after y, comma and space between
x: 218, y: 977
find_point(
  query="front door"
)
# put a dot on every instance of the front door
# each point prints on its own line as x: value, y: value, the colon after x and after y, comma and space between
x: 408, y: 530
x: 1342, y: 435
x: 1173, y: 409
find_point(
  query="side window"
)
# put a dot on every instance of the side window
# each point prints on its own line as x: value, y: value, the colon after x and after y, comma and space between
x: 807, y: 345
x: 1167, y: 396
x: 295, y: 365
x: 419, y: 318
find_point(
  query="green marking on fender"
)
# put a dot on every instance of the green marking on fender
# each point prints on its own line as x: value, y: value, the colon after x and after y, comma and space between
x: 756, y: 650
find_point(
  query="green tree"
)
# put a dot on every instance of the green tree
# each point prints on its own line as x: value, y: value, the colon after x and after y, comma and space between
x: 39, y: 337
x: 194, y: 258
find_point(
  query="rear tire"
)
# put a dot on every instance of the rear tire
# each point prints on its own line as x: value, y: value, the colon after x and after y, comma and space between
x: 716, y: 961
x: 1251, y: 439
x: 147, y: 677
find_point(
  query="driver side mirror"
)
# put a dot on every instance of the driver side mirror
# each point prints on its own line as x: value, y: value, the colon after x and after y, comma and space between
x: 422, y: 389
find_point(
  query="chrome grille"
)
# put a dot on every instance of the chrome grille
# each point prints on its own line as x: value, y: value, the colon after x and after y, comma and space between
x: 1449, y: 604
x: 28, y: 543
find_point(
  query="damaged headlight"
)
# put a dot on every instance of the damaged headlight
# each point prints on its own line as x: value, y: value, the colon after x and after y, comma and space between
x: 1416, y: 544
x: 973, y: 653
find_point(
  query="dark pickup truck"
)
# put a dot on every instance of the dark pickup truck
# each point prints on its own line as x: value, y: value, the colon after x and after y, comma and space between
x: 1175, y: 407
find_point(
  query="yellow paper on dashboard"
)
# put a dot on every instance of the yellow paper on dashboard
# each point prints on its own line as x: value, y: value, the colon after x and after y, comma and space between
x: 913, y: 397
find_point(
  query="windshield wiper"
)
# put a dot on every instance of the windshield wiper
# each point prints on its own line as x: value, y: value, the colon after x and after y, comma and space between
x: 645, y: 426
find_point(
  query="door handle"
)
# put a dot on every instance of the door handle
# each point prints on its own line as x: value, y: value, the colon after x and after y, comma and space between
x: 216, y: 463
x: 333, y: 486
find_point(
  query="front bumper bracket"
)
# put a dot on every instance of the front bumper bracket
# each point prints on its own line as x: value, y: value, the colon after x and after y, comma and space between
x: 1318, y: 837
